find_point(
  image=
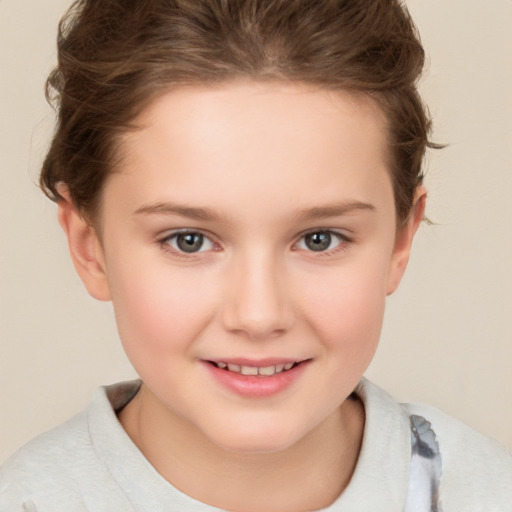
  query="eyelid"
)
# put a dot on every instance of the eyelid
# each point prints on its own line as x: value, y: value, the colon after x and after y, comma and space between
x: 164, y: 239
x: 343, y: 238
x: 344, y: 241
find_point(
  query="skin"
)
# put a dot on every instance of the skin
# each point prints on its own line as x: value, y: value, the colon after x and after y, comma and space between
x: 265, y: 164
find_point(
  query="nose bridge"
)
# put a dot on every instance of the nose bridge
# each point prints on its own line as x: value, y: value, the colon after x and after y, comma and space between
x: 258, y: 304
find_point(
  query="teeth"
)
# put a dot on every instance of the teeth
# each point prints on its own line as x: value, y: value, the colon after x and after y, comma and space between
x: 249, y: 370
x: 266, y: 371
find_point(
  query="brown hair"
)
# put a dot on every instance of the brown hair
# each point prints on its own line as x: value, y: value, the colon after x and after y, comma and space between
x: 114, y: 56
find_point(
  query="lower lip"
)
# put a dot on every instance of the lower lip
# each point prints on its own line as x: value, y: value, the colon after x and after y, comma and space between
x: 253, y: 386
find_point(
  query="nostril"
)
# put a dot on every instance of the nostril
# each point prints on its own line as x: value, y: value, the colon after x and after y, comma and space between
x: 257, y: 306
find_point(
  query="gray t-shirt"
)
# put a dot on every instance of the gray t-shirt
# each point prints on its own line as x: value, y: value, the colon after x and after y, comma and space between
x: 90, y: 464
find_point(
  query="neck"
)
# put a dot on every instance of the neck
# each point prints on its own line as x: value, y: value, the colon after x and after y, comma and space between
x: 308, y: 475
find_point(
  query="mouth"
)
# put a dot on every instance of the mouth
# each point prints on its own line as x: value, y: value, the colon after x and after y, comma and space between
x: 257, y: 379
x: 267, y: 370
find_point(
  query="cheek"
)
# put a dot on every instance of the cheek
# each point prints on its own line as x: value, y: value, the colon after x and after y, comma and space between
x: 159, y: 310
x: 346, y: 309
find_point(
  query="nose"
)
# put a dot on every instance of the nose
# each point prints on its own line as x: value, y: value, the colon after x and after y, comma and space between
x: 259, y: 302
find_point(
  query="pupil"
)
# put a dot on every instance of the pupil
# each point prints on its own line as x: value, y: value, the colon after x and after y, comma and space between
x: 318, y: 241
x: 190, y: 242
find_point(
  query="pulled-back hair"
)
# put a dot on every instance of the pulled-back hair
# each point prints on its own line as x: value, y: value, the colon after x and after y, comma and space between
x: 114, y: 56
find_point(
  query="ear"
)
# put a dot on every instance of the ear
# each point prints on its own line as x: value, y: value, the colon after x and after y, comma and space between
x: 403, y: 241
x: 84, y: 246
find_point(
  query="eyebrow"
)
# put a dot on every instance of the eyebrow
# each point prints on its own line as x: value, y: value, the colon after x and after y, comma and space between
x: 207, y: 214
x: 334, y: 210
x: 204, y: 214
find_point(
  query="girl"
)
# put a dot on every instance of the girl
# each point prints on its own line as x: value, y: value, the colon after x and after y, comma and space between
x: 243, y: 180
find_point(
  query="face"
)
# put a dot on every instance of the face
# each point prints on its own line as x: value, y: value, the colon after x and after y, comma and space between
x: 248, y: 244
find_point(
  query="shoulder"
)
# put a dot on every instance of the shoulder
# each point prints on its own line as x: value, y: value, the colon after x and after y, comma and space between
x: 476, y: 470
x: 65, y: 468
x: 48, y: 446
x: 35, y: 467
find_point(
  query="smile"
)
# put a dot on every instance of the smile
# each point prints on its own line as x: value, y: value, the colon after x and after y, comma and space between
x: 256, y: 379
x: 263, y: 371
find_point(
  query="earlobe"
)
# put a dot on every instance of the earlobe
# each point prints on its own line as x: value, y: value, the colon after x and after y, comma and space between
x: 84, y: 247
x: 403, y: 242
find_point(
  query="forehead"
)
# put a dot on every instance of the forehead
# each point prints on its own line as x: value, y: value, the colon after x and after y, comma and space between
x: 235, y: 142
x: 253, y: 110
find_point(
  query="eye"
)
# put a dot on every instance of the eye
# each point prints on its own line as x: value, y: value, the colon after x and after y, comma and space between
x: 321, y: 241
x: 189, y: 242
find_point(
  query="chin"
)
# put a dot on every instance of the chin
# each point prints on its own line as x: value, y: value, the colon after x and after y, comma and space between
x: 246, y: 440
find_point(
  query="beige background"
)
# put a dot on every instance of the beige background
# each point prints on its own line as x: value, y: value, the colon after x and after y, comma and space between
x: 447, y: 338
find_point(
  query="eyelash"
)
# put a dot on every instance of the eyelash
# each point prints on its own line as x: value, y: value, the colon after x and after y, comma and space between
x: 343, y: 242
x: 342, y: 245
x: 166, y: 246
